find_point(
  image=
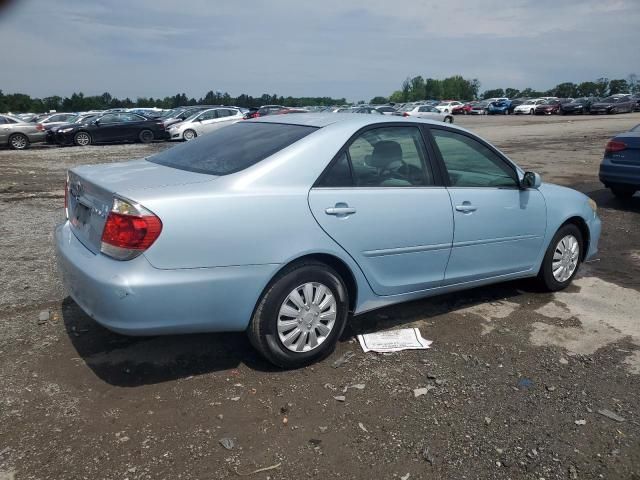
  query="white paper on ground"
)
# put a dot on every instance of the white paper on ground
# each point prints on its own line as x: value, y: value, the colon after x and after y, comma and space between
x: 393, y: 341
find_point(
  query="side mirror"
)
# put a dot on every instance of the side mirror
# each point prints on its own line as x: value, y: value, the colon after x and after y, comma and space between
x: 96, y: 123
x: 531, y: 180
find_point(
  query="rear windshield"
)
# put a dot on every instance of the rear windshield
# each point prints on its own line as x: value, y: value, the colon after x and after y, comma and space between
x: 231, y: 149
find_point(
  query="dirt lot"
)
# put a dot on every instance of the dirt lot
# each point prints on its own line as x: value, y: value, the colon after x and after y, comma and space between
x: 518, y: 377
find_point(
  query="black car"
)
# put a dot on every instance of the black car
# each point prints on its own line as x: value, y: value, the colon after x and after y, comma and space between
x: 515, y: 102
x: 50, y: 131
x: 114, y: 127
x: 578, y: 106
x: 614, y: 104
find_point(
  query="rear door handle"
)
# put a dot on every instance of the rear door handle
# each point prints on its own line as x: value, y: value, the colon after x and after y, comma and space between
x: 466, y: 207
x: 340, y: 210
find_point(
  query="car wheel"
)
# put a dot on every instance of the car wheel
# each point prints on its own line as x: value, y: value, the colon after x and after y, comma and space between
x: 18, y: 141
x: 300, y: 316
x: 531, y: 111
x: 82, y: 139
x: 146, y: 136
x: 189, y: 135
x: 562, y: 259
x: 623, y: 193
x: 448, y: 118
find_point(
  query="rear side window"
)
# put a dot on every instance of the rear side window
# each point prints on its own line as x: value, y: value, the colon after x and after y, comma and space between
x: 233, y: 148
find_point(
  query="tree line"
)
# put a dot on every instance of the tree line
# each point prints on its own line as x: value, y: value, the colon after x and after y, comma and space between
x: 78, y: 102
x: 459, y: 88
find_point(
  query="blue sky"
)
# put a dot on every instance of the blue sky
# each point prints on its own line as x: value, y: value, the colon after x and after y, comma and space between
x: 342, y: 48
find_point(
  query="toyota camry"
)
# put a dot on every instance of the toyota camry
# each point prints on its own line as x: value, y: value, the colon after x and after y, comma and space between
x: 286, y: 225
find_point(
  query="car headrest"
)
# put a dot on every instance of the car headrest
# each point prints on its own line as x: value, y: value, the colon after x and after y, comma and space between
x: 384, y: 153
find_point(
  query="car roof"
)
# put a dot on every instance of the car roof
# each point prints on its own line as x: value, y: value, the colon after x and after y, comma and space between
x: 355, y: 120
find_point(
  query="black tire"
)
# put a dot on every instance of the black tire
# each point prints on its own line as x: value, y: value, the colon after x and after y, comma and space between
x: 448, y: 119
x: 19, y: 141
x: 545, y: 276
x: 189, y: 134
x: 262, y: 330
x: 82, y: 139
x: 146, y: 136
x: 624, y: 193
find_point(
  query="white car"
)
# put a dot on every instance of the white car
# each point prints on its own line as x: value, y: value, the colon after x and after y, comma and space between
x: 204, y: 122
x: 447, y: 107
x: 425, y: 111
x: 528, y: 107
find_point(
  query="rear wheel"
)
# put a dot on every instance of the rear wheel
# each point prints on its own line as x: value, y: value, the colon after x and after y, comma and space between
x: 300, y: 316
x: 449, y: 119
x: 531, y: 111
x: 18, y: 141
x: 146, y: 136
x: 562, y: 259
x: 82, y: 139
x: 623, y: 192
x: 189, y: 135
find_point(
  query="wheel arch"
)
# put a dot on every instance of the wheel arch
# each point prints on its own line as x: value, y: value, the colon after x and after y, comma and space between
x: 584, y: 230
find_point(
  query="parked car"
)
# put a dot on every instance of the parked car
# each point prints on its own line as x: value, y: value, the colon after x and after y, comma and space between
x: 386, y: 109
x: 578, y: 106
x: 620, y: 167
x: 463, y: 109
x: 516, y: 102
x: 479, y: 108
x: 178, y: 115
x: 549, y: 107
x: 528, y: 107
x: 204, y: 122
x: 268, y: 110
x: 448, y: 106
x: 50, y: 131
x: 500, y: 107
x: 112, y: 127
x: 614, y: 104
x: 425, y: 111
x: 636, y: 99
x: 283, y: 230
x: 18, y: 134
x: 57, y: 119
x: 361, y: 109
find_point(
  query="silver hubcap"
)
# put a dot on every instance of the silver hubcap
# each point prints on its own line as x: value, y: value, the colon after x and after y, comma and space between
x: 82, y: 139
x: 306, y: 317
x: 565, y: 258
x: 189, y: 135
x: 19, y: 142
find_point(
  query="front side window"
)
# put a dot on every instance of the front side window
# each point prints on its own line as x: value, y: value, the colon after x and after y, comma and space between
x: 382, y: 157
x: 109, y: 118
x: 469, y: 163
x: 233, y: 148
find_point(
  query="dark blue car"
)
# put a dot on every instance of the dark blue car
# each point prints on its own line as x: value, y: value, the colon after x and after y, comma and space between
x: 620, y: 167
x: 502, y: 107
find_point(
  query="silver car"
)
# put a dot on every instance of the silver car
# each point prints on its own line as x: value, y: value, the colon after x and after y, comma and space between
x: 19, y: 134
x: 204, y: 122
x: 424, y: 111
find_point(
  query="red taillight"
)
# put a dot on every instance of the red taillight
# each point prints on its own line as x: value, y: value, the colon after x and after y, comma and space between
x: 129, y: 230
x: 40, y: 127
x: 615, y: 146
x: 405, y: 114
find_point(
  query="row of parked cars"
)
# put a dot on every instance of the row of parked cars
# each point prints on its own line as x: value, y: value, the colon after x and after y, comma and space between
x: 187, y: 123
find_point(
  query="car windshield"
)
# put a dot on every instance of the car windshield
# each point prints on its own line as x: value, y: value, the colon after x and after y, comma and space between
x: 233, y: 148
x: 636, y: 128
x: 610, y: 100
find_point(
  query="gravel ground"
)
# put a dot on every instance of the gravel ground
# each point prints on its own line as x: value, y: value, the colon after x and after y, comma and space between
x: 521, y: 384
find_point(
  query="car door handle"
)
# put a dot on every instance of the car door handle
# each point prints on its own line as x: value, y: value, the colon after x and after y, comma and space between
x: 340, y: 210
x: 466, y: 207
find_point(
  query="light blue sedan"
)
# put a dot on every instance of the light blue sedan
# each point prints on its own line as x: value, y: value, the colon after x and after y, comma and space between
x: 283, y: 226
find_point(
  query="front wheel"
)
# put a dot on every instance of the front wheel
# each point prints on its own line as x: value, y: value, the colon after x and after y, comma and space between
x: 300, y: 316
x: 189, y: 135
x: 82, y: 139
x: 448, y: 118
x: 562, y: 259
x: 18, y: 141
x: 623, y: 193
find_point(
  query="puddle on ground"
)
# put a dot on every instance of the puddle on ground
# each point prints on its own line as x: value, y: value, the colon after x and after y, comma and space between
x: 607, y: 313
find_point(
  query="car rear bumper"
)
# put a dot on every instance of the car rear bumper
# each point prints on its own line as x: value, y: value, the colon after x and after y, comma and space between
x: 134, y: 298
x: 619, y: 174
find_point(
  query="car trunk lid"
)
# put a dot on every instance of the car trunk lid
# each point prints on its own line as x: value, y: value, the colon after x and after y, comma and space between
x: 91, y: 189
x: 630, y: 155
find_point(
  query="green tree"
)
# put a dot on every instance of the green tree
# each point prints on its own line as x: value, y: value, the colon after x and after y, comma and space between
x: 496, y: 92
x: 602, y: 87
x: 511, y: 92
x: 618, y: 86
x: 433, y: 89
x: 565, y: 90
x: 397, y: 97
x: 587, y: 89
x: 378, y: 100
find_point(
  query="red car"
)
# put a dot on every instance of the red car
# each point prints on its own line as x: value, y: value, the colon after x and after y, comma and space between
x: 461, y: 109
x: 550, y: 107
